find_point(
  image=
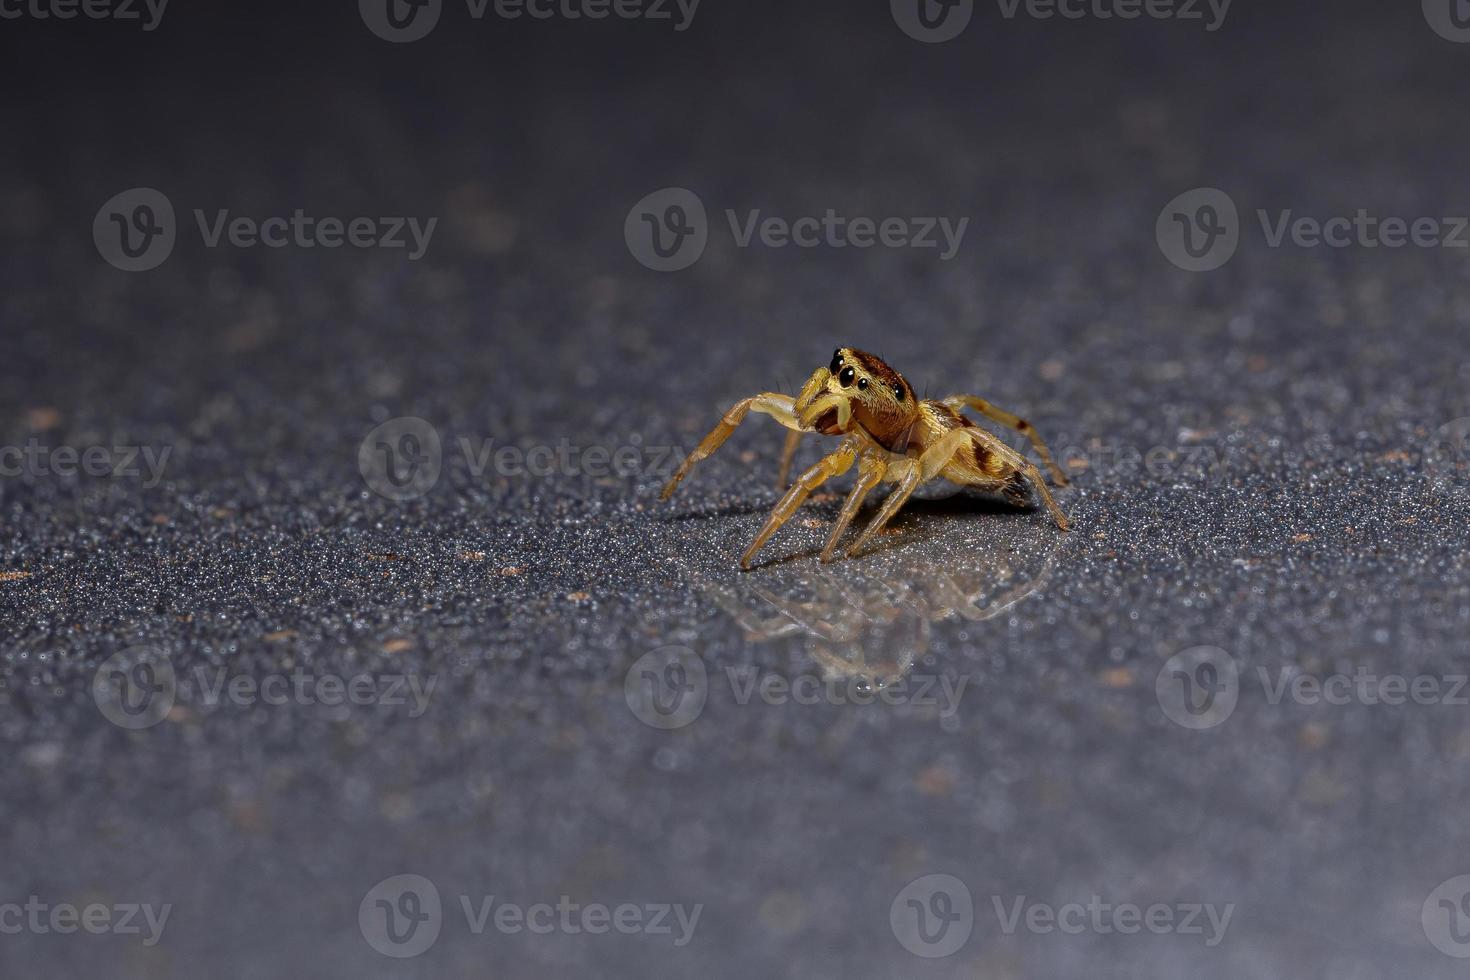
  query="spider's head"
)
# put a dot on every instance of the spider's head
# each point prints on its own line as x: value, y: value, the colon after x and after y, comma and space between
x: 858, y: 387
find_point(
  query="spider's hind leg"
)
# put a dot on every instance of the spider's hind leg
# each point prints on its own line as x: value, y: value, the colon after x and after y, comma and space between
x: 1011, y: 421
x: 990, y: 464
x: 1016, y: 491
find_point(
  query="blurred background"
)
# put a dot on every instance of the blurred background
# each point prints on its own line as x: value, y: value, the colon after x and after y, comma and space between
x: 243, y: 469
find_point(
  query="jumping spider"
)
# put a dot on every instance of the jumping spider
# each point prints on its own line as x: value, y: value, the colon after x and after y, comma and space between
x: 891, y: 435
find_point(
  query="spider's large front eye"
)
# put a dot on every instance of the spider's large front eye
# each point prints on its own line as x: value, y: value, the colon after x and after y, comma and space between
x: 836, y: 361
x: 845, y: 378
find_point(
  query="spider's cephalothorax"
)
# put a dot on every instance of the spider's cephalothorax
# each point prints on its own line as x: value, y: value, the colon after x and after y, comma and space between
x: 891, y: 435
x: 858, y: 387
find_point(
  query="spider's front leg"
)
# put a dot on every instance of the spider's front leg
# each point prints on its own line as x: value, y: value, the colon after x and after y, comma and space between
x: 870, y: 473
x: 834, y: 464
x: 779, y: 407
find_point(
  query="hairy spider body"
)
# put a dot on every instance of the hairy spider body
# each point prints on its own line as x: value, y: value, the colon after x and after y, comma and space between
x: 891, y: 435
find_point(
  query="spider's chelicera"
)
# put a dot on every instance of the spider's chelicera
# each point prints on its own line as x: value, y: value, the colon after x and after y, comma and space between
x: 892, y: 436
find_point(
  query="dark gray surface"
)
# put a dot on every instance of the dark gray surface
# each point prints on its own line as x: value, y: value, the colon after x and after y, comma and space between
x: 1317, y: 541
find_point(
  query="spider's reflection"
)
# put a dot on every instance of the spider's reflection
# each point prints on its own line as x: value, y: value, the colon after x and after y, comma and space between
x: 871, y: 619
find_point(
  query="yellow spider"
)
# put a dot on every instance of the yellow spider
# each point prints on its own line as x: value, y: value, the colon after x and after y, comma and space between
x: 891, y: 435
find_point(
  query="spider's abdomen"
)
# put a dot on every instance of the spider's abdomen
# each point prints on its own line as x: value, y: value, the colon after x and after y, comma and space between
x: 978, y: 462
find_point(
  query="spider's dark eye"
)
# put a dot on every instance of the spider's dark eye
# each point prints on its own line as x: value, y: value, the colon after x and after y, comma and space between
x: 836, y: 361
x: 845, y: 378
x: 898, y: 392
x: 863, y: 384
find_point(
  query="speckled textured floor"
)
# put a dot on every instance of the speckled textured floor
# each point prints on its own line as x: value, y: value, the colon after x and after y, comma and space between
x: 1266, y: 462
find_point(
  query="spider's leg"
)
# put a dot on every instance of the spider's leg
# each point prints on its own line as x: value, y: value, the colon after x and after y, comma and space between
x: 909, y: 473
x: 1012, y: 421
x: 1032, y: 474
x: 834, y: 464
x: 788, y: 451
x: 870, y: 473
x: 778, y: 406
x: 990, y: 464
